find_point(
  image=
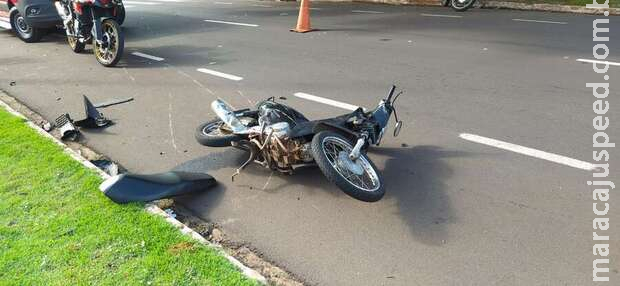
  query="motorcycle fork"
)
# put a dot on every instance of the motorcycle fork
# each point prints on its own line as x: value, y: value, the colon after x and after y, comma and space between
x: 97, y: 31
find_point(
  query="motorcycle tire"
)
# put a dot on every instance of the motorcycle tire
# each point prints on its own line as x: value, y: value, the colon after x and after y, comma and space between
x: 462, y: 5
x: 120, y: 15
x: 206, y: 136
x: 75, y: 45
x: 22, y: 30
x: 334, y: 169
x: 110, y: 27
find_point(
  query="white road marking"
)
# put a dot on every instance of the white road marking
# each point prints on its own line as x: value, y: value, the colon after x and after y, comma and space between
x: 140, y: 3
x: 260, y: 5
x: 316, y: 8
x: 598, y: 62
x: 529, y: 151
x: 540, y: 21
x: 367, y: 12
x: 176, y: 1
x: 231, y: 23
x: 441, y: 15
x: 223, y: 3
x: 326, y: 101
x: 5, y: 25
x: 139, y: 54
x: 220, y: 74
x: 128, y: 6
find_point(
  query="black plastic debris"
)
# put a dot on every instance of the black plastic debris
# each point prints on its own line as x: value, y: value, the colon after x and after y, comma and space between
x: 94, y: 118
x: 127, y: 188
x: 65, y: 126
x: 113, y: 102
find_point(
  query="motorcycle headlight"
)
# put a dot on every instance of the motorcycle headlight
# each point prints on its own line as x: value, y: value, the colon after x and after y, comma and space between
x: 33, y: 11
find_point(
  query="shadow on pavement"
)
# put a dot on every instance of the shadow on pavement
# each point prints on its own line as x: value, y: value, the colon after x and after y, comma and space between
x: 416, y: 178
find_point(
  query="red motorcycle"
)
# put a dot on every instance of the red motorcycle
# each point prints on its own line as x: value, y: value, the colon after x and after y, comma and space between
x: 94, y: 21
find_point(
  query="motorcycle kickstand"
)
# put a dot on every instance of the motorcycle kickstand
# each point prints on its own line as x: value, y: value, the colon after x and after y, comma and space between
x: 253, y: 153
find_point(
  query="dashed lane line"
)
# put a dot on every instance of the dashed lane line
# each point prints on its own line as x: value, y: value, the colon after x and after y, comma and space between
x: 325, y: 101
x: 231, y: 23
x: 220, y: 74
x: 559, y: 159
x: 539, y: 21
x: 147, y: 56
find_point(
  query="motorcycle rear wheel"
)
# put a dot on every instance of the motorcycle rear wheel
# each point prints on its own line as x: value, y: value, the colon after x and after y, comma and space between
x: 462, y: 5
x: 111, y: 53
x: 358, y: 179
x: 215, y: 133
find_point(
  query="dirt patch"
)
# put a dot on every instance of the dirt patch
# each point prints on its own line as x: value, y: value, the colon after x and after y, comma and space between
x: 175, y: 249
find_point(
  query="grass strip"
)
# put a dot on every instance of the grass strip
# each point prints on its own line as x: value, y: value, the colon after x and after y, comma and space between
x: 57, y: 228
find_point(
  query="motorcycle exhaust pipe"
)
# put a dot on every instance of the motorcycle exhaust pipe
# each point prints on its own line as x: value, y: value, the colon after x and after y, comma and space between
x: 224, y: 111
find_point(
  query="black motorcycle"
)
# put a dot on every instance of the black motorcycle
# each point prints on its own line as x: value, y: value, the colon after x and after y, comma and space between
x: 94, y: 21
x: 282, y: 139
x: 459, y: 5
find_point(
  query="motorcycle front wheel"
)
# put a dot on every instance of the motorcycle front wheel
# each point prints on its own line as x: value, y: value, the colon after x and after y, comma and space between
x: 358, y: 179
x: 109, y: 51
x: 462, y: 5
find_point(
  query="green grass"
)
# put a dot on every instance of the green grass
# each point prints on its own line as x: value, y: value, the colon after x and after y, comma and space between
x: 56, y: 228
x: 612, y: 3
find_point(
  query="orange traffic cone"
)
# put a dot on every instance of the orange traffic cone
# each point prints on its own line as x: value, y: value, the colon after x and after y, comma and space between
x: 303, y: 21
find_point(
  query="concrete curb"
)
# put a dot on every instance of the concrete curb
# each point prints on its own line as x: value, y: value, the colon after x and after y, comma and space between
x: 149, y: 207
x: 547, y: 8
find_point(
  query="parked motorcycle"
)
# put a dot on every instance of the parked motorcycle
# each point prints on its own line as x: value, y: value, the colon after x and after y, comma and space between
x: 458, y: 5
x: 94, y: 21
x: 280, y: 138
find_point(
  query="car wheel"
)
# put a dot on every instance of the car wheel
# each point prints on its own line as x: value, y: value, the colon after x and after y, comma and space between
x: 21, y: 29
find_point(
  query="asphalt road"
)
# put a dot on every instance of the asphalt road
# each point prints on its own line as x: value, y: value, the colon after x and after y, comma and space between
x: 456, y: 212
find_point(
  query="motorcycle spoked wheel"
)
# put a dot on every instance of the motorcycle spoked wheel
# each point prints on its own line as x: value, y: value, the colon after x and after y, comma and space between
x: 462, y: 5
x: 358, y: 179
x: 75, y: 45
x: 215, y: 133
x: 110, y: 51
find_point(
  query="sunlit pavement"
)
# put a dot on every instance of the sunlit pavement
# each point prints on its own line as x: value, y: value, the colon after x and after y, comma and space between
x: 460, y: 209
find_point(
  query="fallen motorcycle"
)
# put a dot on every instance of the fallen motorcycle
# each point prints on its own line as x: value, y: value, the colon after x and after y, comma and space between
x: 97, y: 21
x: 280, y: 138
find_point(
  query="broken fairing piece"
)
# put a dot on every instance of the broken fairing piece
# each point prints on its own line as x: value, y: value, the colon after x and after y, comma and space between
x: 113, y: 102
x: 94, y: 119
x: 66, y: 128
x: 127, y: 188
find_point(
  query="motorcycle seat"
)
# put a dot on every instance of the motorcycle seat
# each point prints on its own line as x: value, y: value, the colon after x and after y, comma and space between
x: 127, y: 188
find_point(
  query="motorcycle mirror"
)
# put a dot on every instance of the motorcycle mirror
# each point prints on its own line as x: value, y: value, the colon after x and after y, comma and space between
x: 397, y: 128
